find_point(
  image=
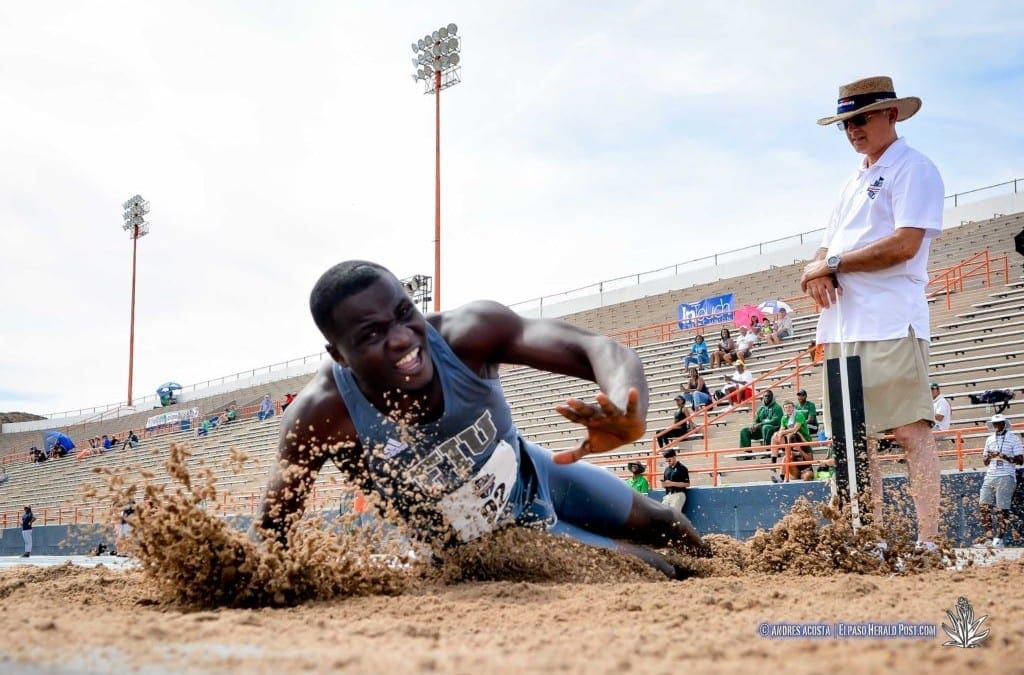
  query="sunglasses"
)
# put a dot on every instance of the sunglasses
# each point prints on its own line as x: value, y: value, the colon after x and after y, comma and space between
x: 856, y: 121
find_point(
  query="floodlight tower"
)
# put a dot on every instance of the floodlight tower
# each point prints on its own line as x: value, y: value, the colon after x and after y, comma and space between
x: 437, y: 64
x: 135, y: 210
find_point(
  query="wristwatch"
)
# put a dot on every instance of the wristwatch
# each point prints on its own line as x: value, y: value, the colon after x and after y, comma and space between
x: 832, y: 262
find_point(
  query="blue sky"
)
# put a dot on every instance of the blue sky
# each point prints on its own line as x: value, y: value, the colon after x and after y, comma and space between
x: 586, y: 141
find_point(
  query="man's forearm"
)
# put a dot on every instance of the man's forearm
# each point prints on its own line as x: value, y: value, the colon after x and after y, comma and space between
x: 884, y: 253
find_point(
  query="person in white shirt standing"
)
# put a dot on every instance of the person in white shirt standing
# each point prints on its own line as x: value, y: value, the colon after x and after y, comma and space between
x: 1002, y: 455
x: 869, y: 276
x: 943, y: 413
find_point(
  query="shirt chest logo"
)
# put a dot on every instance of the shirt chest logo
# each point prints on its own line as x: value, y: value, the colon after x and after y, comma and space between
x: 875, y: 188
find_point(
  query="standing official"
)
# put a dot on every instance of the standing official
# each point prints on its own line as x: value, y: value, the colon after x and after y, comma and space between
x: 869, y: 277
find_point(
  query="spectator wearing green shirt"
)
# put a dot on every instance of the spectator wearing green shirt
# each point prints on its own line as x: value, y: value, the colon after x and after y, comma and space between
x: 809, y: 410
x: 638, y: 481
x: 793, y: 430
x: 767, y: 421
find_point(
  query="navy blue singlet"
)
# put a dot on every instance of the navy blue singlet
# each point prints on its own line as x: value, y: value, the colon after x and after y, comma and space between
x: 469, y: 472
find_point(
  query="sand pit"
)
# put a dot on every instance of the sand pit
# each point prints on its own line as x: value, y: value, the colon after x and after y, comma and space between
x: 204, y: 598
x: 100, y: 620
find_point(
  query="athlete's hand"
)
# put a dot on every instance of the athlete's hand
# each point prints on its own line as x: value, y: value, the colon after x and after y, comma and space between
x: 608, y: 426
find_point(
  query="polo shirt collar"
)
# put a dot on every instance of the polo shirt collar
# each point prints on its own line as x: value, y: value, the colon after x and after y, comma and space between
x: 889, y: 157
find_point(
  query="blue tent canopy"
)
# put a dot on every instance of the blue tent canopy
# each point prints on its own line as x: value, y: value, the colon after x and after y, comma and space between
x: 53, y: 438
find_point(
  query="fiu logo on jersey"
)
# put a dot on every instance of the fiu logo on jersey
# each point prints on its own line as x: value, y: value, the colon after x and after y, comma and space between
x: 453, y: 461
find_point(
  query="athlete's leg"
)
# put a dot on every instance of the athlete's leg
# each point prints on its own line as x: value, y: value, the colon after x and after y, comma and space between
x: 592, y: 498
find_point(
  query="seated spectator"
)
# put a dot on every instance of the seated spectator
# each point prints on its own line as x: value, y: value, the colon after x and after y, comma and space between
x: 793, y: 430
x: 37, y: 455
x: 755, y: 324
x: 809, y: 410
x: 132, y: 441
x: 737, y: 385
x: 767, y: 420
x: 93, y: 443
x: 3, y: 475
x: 698, y: 353
x: 679, y: 424
x: 745, y: 343
x: 230, y: 413
x: 638, y: 481
x: 114, y: 441
x: 766, y: 328
x: 106, y: 443
x: 726, y: 352
x: 204, y: 428
x: 266, y: 408
x: 695, y: 391
x: 288, y: 398
x: 783, y: 328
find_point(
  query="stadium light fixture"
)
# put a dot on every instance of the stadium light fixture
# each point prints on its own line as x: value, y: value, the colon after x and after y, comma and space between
x: 135, y: 210
x: 437, y: 64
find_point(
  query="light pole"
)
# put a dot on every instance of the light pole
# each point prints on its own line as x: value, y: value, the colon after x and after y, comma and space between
x: 135, y: 210
x: 437, y: 64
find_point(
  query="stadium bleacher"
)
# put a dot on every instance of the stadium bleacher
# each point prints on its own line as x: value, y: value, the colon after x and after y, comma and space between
x: 977, y: 345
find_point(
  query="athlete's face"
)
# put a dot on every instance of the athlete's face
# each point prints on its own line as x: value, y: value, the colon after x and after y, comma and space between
x: 382, y: 337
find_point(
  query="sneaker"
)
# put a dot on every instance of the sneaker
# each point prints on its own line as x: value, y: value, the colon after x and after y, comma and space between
x: 26, y: 555
x: 997, y: 542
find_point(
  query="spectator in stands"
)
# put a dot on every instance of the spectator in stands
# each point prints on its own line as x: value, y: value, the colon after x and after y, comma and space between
x: 113, y: 441
x: 766, y: 330
x: 437, y: 377
x: 230, y: 413
x: 266, y: 408
x: 698, y: 355
x: 3, y: 475
x: 1002, y: 455
x: 874, y: 260
x: 132, y: 441
x: 106, y: 443
x: 737, y: 385
x: 726, y: 352
x: 93, y: 444
x: 943, y: 413
x: 637, y: 480
x: 204, y: 428
x: 695, y: 390
x: 675, y: 480
x: 783, y: 327
x: 679, y: 425
x: 27, y: 519
x: 793, y: 429
x: 124, y: 529
x: 37, y: 455
x: 755, y: 324
x: 288, y: 398
x: 809, y: 410
x: 767, y: 420
x: 745, y: 343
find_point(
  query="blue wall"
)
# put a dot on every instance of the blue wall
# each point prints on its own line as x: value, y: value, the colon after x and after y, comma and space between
x: 735, y: 510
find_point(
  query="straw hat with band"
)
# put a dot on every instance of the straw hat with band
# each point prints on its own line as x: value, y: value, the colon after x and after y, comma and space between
x: 871, y: 93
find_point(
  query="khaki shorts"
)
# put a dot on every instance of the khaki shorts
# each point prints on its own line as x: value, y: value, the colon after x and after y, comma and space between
x: 674, y: 499
x: 998, y: 490
x: 895, y: 378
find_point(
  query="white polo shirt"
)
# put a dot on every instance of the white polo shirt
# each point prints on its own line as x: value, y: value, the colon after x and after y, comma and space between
x: 902, y: 189
x: 941, y: 407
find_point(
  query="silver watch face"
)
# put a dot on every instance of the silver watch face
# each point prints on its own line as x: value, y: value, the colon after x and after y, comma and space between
x: 832, y: 262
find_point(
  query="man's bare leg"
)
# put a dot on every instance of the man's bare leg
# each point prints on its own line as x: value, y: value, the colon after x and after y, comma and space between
x: 923, y: 469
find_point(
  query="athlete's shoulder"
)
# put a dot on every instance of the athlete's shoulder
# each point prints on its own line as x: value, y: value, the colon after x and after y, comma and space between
x: 318, y: 415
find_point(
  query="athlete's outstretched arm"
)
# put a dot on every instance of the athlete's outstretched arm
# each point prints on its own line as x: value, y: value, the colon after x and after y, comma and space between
x: 490, y: 333
x: 306, y: 441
